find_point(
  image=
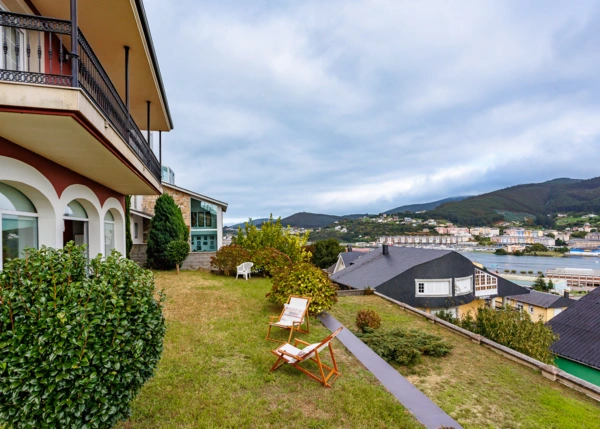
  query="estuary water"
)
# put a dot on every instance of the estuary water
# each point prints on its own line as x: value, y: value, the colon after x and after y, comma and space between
x: 531, y: 263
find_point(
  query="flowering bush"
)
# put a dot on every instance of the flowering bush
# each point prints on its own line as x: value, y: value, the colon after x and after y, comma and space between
x: 270, y: 260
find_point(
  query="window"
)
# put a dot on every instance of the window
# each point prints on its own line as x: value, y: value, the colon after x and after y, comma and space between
x: 463, y: 285
x: 519, y: 306
x: 204, y: 241
x: 434, y: 287
x: 204, y: 215
x: 531, y: 309
x: 485, y: 284
x: 18, y: 222
x: 135, y: 230
x: 12, y: 37
x: 109, y: 233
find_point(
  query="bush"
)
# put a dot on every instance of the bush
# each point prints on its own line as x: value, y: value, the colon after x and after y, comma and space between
x: 229, y: 257
x: 167, y: 225
x: 369, y: 290
x: 177, y: 252
x: 306, y: 280
x: 367, y: 319
x: 326, y: 252
x: 529, y: 272
x: 273, y: 234
x: 513, y: 271
x: 270, y: 261
x: 448, y: 316
x: 501, y: 252
x: 513, y: 329
x: 405, y: 347
x: 75, y: 349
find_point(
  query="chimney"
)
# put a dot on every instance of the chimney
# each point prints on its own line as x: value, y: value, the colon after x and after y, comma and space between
x: 566, y: 294
x: 386, y: 251
x: 349, y: 248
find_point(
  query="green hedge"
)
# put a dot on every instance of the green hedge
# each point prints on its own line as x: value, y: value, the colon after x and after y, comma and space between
x: 77, y: 341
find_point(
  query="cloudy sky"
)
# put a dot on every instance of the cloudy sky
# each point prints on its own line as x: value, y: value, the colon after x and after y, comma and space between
x: 348, y: 106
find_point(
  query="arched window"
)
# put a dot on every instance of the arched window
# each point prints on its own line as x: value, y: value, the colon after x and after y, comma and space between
x: 109, y: 233
x: 19, y: 221
x: 75, y: 224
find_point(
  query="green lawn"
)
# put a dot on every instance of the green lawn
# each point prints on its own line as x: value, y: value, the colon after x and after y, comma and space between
x: 478, y: 387
x: 215, y: 368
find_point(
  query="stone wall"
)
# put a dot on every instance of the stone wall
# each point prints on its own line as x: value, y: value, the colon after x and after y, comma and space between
x: 182, y: 200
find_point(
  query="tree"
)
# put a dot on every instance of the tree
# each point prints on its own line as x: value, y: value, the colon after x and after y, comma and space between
x: 326, y: 252
x: 177, y: 252
x: 273, y: 234
x: 550, y: 284
x: 128, y: 240
x: 540, y: 284
x: 167, y: 225
x: 501, y: 251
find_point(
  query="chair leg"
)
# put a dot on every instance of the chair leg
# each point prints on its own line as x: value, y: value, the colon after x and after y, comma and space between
x: 280, y: 361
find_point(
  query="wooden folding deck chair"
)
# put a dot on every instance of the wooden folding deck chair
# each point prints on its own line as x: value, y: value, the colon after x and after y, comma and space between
x: 292, y: 317
x: 294, y: 356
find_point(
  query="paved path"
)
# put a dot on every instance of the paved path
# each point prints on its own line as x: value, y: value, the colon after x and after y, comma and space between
x: 425, y: 411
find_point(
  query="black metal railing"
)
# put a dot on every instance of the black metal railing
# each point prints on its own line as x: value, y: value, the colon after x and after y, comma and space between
x: 32, y: 51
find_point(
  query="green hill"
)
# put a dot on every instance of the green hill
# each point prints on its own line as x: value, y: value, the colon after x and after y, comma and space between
x: 423, y: 206
x: 310, y: 220
x: 535, y: 199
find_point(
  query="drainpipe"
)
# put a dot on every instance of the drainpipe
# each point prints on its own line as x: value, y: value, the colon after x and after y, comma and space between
x: 74, y: 45
x: 148, y: 122
x: 127, y: 78
x: 160, y: 149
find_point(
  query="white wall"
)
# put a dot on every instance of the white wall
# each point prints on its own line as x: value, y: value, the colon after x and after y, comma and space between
x: 51, y: 208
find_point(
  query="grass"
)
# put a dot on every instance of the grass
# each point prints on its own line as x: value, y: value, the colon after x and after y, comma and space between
x: 478, y: 387
x: 214, y: 372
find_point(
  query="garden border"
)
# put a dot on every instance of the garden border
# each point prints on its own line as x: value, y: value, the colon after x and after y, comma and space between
x: 550, y: 372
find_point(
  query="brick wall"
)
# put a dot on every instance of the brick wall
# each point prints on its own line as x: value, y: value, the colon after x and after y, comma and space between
x: 182, y: 200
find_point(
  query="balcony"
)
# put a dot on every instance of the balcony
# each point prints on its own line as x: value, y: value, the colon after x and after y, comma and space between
x: 38, y: 50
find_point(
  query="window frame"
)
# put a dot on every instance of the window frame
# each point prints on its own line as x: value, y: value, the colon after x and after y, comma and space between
x: 470, y: 288
x: 425, y: 294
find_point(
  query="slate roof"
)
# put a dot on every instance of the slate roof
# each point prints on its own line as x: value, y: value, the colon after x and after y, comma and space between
x: 544, y: 300
x: 375, y: 268
x: 578, y: 328
x: 349, y: 257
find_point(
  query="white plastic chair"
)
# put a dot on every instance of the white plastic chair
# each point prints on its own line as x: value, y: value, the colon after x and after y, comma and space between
x: 245, y: 270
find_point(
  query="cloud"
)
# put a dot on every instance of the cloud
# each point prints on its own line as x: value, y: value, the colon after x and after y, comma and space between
x: 351, y: 105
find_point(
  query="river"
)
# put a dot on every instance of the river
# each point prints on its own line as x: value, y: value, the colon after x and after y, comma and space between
x: 531, y: 263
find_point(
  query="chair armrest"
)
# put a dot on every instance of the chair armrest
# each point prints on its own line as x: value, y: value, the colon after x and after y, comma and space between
x: 273, y: 317
x: 291, y: 355
x: 296, y: 341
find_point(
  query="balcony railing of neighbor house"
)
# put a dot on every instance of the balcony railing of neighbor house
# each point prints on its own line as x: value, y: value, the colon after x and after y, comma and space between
x: 33, y: 52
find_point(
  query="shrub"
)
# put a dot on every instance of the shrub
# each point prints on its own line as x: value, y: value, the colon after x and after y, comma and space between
x: 167, y: 225
x: 513, y: 271
x: 75, y: 349
x: 405, y: 347
x: 513, y: 329
x: 529, y: 272
x: 369, y: 290
x: 326, y: 252
x: 177, y: 252
x: 367, y: 319
x: 447, y: 315
x: 229, y: 257
x: 273, y: 234
x: 270, y: 260
x: 523, y: 272
x: 306, y: 280
x: 507, y: 271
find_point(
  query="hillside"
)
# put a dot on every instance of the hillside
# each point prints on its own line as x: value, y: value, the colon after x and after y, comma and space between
x: 310, y: 220
x: 423, y: 206
x: 535, y: 199
x: 257, y: 222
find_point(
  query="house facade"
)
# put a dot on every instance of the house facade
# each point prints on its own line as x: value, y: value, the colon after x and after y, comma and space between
x: 74, y: 98
x: 427, y: 279
x: 202, y: 215
x: 540, y: 305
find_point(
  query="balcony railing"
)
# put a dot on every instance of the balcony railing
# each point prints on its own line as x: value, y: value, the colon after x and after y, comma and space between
x: 33, y: 52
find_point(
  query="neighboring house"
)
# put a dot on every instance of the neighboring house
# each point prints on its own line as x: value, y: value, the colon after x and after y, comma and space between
x: 575, y: 276
x: 345, y: 259
x: 540, y: 305
x: 202, y: 215
x: 427, y: 279
x: 71, y: 147
x: 578, y: 346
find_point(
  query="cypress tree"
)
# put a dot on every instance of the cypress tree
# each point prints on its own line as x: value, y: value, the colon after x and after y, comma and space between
x: 128, y: 239
x: 166, y: 226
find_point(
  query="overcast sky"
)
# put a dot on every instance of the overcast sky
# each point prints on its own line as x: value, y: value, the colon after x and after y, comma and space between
x: 346, y: 107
